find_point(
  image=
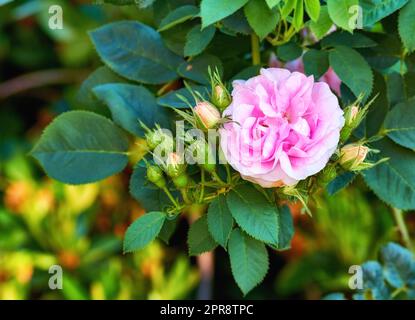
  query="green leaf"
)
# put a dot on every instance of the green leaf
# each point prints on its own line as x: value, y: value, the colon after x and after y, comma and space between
x: 286, y: 229
x: 399, y: 266
x: 355, y: 40
x: 341, y: 13
x: 340, y: 182
x: 81, y: 147
x: 136, y: 52
x: 375, y: 10
x: 249, y: 260
x: 409, y: 78
x: 373, y: 280
x: 175, y: 38
x: 143, y: 230
x: 141, y: 3
x: 197, y: 69
x: 215, y: 10
x: 197, y: 40
x: 236, y: 24
x: 335, y: 296
x: 261, y: 18
x: 288, y: 8
x: 352, y: 69
x: 177, y: 16
x: 316, y: 63
x: 289, y: 51
x: 220, y: 221
x: 393, y: 181
x: 320, y: 27
x: 379, y: 108
x: 129, y: 104
x: 395, y: 88
x: 298, y: 15
x: 272, y: 3
x: 254, y: 214
x: 247, y: 73
x: 86, y: 99
x: 168, y: 229
x: 148, y: 195
x: 400, y: 125
x: 313, y: 9
x: 406, y: 25
x: 172, y: 99
x: 199, y: 239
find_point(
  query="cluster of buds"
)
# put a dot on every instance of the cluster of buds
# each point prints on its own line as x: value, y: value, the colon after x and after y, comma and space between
x: 170, y: 163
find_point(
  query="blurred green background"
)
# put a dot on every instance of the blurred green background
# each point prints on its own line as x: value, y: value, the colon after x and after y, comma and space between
x: 43, y: 222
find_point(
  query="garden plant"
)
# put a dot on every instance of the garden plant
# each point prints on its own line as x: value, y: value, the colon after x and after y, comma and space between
x: 246, y: 118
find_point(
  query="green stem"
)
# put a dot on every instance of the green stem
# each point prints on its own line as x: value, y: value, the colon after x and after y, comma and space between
x: 398, y: 214
x: 185, y: 196
x: 256, y: 56
x: 202, y: 190
x: 397, y: 292
x: 217, y: 178
x: 167, y: 192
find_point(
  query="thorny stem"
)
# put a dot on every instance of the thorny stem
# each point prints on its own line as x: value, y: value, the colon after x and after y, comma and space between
x: 213, y: 196
x: 398, y: 214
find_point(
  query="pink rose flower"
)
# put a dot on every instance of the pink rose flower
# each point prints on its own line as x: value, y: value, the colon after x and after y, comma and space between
x: 284, y: 127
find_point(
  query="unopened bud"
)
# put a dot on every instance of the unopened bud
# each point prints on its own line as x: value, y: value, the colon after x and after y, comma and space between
x: 181, y: 181
x: 175, y: 165
x: 352, y: 156
x: 155, y: 175
x: 221, y: 97
x: 207, y: 114
x: 353, y: 116
x: 157, y: 137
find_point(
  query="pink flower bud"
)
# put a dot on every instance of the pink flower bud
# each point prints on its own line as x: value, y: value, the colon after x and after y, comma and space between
x: 208, y: 114
x: 354, y: 112
x: 221, y: 97
x: 352, y: 116
x: 352, y: 156
x: 175, y: 165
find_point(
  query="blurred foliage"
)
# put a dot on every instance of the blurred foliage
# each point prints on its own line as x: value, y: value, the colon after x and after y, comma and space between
x: 80, y: 228
x: 346, y: 229
x: 43, y: 223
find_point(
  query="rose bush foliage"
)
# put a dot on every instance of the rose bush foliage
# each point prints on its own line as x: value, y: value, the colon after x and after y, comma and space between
x: 155, y: 68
